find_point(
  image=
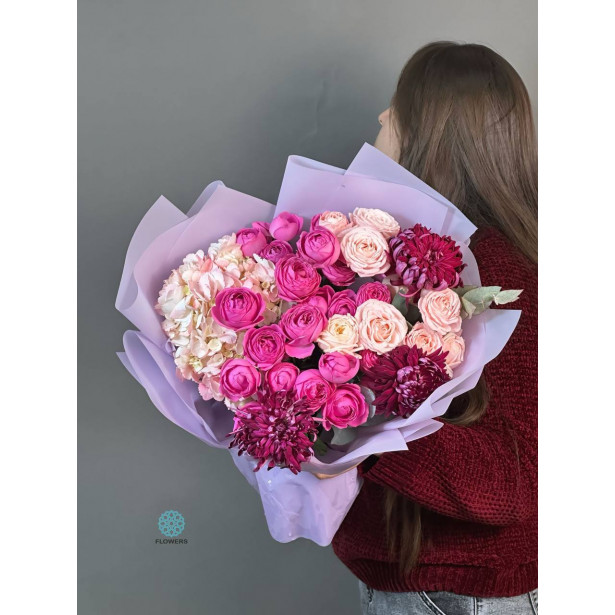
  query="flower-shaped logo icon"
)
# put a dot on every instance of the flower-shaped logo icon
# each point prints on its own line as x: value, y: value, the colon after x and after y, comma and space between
x: 171, y: 523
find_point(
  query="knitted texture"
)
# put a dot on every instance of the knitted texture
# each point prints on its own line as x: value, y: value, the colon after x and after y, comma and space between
x: 477, y: 485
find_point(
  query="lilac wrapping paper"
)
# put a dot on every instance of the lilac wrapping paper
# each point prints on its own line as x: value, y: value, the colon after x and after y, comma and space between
x: 295, y: 505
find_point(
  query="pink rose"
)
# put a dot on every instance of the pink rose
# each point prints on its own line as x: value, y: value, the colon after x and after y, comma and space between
x: 275, y: 250
x: 346, y: 407
x: 381, y: 326
x: 441, y: 310
x: 380, y: 220
x: 424, y: 338
x: 455, y: 346
x: 368, y: 359
x: 263, y: 227
x: 282, y: 376
x: 264, y: 346
x: 321, y: 298
x: 337, y: 367
x: 319, y: 247
x: 285, y: 226
x: 365, y: 251
x: 339, y: 274
x: 238, y: 308
x: 239, y: 379
x: 335, y: 221
x: 251, y: 240
x: 343, y: 302
x: 302, y: 324
x: 296, y: 279
x: 374, y: 290
x: 313, y: 388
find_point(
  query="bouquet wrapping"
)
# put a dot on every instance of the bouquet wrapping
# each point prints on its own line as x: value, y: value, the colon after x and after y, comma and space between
x: 296, y: 503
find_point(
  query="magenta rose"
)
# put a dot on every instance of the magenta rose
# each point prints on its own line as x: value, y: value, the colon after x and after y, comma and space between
x: 239, y: 379
x: 368, y: 359
x: 251, y: 240
x: 338, y: 367
x: 285, y: 226
x: 282, y: 377
x: 346, y: 407
x: 373, y: 290
x: 263, y: 227
x: 275, y: 250
x: 343, y: 302
x: 313, y: 388
x: 319, y: 247
x: 321, y: 298
x: 264, y: 346
x: 339, y: 274
x: 296, y: 278
x: 302, y: 324
x: 238, y: 308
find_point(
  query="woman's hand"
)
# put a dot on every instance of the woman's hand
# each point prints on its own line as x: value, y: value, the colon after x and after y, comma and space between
x: 323, y: 476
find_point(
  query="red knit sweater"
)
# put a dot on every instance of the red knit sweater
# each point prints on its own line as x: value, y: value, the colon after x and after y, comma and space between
x: 477, y: 485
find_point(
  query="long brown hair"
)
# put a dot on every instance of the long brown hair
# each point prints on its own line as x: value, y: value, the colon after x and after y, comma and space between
x: 464, y: 123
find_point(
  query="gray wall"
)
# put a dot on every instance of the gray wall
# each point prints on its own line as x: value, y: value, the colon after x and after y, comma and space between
x: 173, y: 95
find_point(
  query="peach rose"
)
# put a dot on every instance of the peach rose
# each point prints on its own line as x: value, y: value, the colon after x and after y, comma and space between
x: 455, y: 346
x: 365, y: 251
x: 335, y: 221
x: 340, y: 335
x: 382, y: 327
x: 377, y: 219
x: 441, y: 310
x: 424, y: 338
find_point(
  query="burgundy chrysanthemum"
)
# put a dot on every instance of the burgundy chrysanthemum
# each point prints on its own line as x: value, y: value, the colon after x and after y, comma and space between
x: 277, y: 429
x: 404, y: 378
x: 426, y: 260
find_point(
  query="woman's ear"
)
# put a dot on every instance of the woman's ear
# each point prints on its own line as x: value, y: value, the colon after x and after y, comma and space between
x: 387, y: 140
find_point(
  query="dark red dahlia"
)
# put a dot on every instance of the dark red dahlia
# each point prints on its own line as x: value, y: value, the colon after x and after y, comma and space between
x: 426, y: 260
x: 404, y: 378
x: 277, y: 429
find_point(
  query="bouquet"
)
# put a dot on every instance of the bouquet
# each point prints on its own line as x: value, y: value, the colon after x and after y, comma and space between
x: 306, y: 337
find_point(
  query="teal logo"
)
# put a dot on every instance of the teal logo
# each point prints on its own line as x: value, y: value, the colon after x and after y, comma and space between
x: 171, y: 523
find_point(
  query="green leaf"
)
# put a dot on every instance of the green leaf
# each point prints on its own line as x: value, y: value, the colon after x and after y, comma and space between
x: 462, y: 290
x: 400, y: 303
x: 468, y: 307
x: 507, y: 296
x: 369, y: 398
x: 414, y: 315
x: 343, y: 436
x: 320, y: 448
x: 481, y: 298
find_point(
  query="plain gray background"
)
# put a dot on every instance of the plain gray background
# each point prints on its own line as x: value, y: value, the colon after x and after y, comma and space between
x: 173, y: 95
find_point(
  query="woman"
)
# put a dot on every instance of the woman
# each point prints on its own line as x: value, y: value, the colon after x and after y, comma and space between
x: 449, y: 526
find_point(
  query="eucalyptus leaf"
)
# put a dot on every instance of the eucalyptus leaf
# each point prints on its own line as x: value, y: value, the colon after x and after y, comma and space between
x: 468, y: 307
x: 377, y: 419
x: 507, y: 296
x: 481, y: 298
x: 414, y: 315
x: 400, y: 303
x: 370, y: 397
x: 319, y: 447
x: 483, y: 295
x: 343, y: 436
x: 462, y: 290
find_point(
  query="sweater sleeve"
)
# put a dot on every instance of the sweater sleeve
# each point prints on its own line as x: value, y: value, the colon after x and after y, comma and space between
x: 470, y: 473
